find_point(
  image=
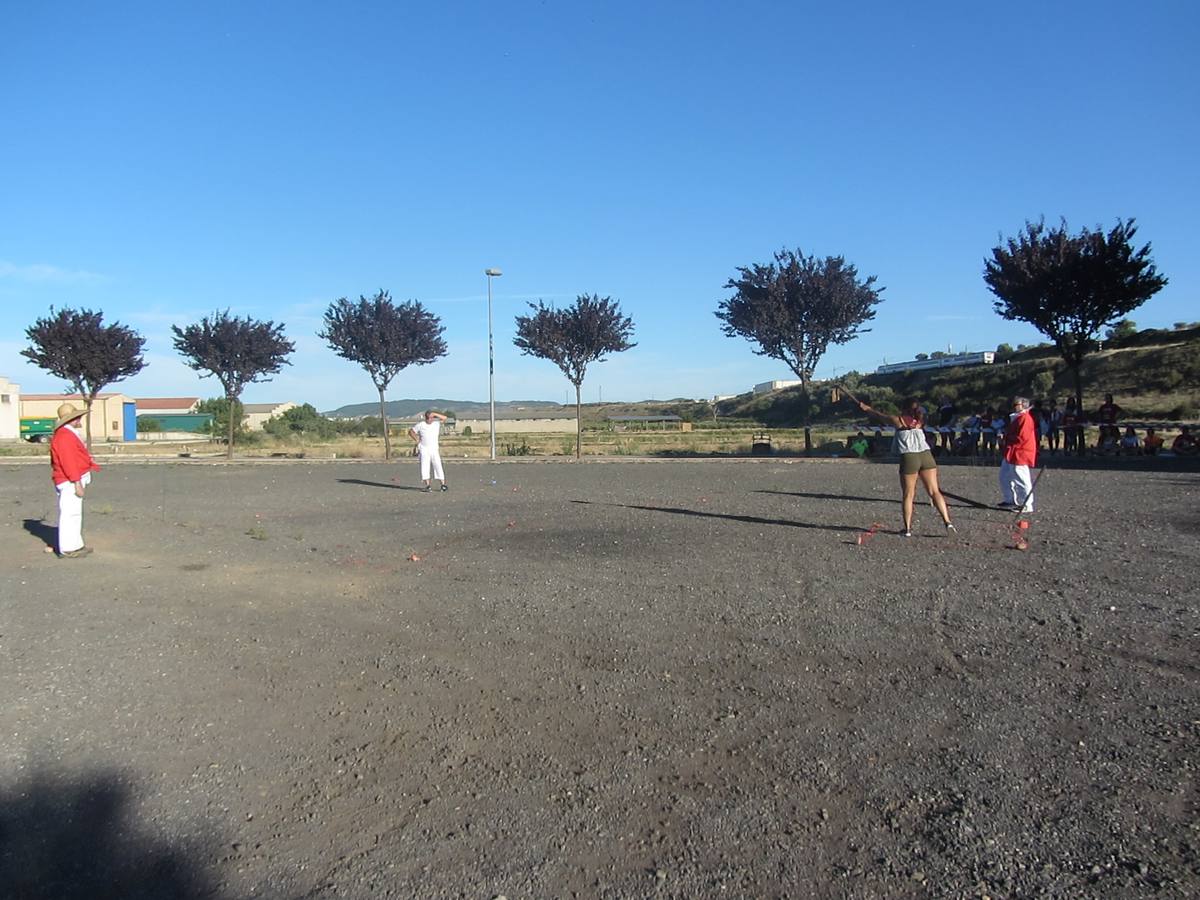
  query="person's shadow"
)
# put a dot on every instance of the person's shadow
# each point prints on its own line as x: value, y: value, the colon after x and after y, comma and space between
x: 733, y: 517
x: 68, y: 838
x: 380, y: 484
x: 47, y: 534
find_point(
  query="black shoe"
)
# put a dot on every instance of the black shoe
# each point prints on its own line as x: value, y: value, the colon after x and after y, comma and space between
x: 426, y: 489
x: 445, y: 487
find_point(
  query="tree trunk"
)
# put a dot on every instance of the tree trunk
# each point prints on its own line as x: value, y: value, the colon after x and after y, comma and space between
x: 232, y: 401
x: 88, y: 400
x: 1077, y: 382
x: 387, y: 440
x: 578, y: 422
x: 807, y: 417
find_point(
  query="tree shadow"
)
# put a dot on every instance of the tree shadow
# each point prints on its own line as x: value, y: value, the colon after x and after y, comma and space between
x: 380, y: 484
x: 751, y: 520
x: 812, y: 495
x: 74, y: 838
x: 47, y: 534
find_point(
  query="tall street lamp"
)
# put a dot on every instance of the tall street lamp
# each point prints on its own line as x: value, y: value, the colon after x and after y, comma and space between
x: 491, y: 273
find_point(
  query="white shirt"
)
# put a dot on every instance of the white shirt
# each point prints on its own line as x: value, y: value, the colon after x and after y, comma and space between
x: 911, y: 440
x: 427, y: 435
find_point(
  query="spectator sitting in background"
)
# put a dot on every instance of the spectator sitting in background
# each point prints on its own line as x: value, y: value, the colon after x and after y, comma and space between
x: 1185, y: 444
x: 878, y: 445
x: 1108, y: 444
x: 1131, y: 445
x: 1152, y: 444
x: 859, y: 445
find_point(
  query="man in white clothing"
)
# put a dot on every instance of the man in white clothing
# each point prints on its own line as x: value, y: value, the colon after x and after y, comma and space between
x: 425, y: 436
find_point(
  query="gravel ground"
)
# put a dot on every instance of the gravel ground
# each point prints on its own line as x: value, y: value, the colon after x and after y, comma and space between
x: 615, y: 679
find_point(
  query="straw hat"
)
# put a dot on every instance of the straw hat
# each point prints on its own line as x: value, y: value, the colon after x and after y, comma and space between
x: 68, y: 413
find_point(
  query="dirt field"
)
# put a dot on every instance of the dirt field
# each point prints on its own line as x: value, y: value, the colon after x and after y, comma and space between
x: 622, y: 679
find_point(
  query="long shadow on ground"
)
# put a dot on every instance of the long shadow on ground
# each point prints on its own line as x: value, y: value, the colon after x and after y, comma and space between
x: 752, y: 520
x: 73, y: 838
x: 48, y: 534
x: 812, y: 495
x: 967, y: 501
x: 382, y: 484
x: 962, y: 501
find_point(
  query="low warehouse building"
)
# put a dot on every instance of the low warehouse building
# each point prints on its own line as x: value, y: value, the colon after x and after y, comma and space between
x: 113, y: 418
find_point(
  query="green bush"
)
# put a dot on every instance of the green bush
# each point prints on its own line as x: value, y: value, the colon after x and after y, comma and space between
x: 219, y: 426
x: 301, y: 421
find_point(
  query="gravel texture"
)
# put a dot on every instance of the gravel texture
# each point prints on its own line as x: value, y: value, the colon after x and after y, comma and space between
x: 615, y: 679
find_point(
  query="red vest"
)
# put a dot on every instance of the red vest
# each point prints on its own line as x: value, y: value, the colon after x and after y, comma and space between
x: 69, y: 457
x: 1020, y: 440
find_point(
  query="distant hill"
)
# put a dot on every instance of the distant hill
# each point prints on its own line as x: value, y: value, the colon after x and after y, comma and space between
x: 464, y: 409
x: 1153, y: 374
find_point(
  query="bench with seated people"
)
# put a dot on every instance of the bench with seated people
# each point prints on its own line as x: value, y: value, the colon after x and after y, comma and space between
x: 1130, y: 444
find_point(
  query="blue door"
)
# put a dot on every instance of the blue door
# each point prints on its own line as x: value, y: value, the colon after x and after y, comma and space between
x: 130, y: 415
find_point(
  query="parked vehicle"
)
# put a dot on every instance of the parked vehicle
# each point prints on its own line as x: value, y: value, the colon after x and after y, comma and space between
x: 37, y: 431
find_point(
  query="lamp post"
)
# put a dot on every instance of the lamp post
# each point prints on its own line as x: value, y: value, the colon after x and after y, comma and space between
x: 491, y: 273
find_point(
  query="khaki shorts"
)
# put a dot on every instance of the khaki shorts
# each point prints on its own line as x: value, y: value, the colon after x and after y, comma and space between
x: 912, y: 463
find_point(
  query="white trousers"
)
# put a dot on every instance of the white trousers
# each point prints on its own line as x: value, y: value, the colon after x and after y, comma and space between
x: 1016, y: 485
x: 70, y: 518
x: 431, y: 459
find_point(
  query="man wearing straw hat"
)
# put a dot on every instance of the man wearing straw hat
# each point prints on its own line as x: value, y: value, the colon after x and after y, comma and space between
x: 71, y: 466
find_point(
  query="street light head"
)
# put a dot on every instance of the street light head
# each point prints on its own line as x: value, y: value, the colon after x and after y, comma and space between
x: 492, y: 272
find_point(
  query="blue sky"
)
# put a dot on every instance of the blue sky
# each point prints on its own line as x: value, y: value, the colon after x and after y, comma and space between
x: 162, y: 161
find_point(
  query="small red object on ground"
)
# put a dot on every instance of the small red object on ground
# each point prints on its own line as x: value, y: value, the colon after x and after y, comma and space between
x: 868, y: 534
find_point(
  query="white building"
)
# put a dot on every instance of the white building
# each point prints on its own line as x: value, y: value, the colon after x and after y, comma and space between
x: 255, y: 415
x: 767, y: 386
x: 545, y: 423
x: 10, y: 410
